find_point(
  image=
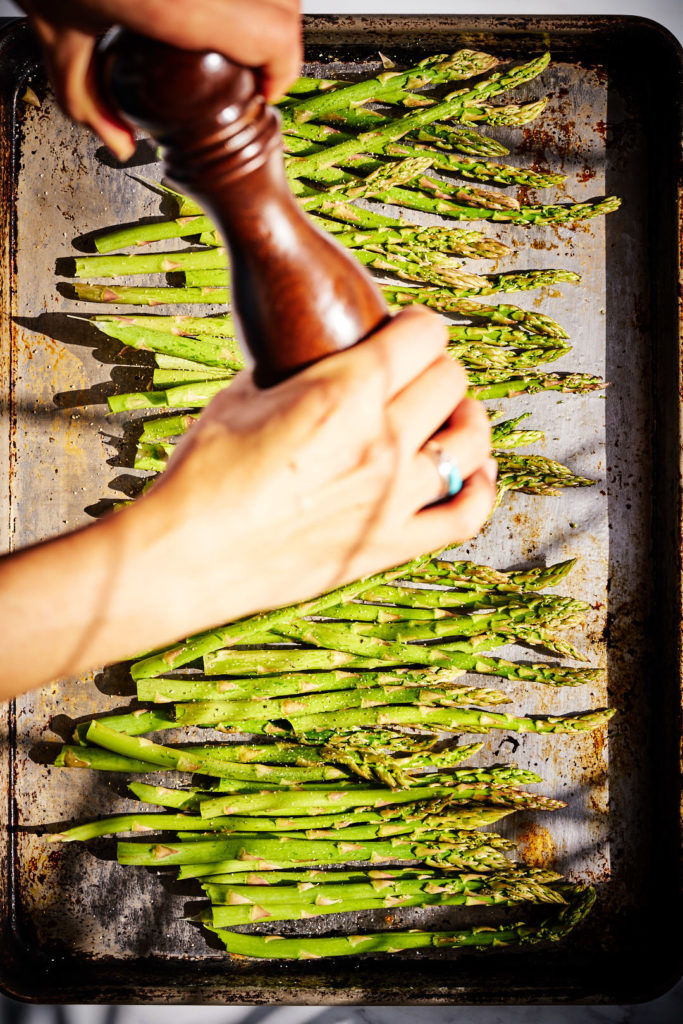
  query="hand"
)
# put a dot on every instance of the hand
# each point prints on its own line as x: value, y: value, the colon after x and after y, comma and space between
x: 259, y: 33
x: 273, y: 497
x: 277, y: 495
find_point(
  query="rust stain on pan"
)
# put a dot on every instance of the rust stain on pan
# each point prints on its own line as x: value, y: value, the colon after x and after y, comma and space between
x: 536, y: 846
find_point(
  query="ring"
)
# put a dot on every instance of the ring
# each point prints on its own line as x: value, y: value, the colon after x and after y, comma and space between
x: 446, y: 467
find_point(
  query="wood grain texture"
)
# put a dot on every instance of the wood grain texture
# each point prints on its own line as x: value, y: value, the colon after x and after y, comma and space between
x: 297, y: 295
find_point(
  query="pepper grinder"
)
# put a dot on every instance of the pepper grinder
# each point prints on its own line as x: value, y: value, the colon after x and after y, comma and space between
x: 297, y: 295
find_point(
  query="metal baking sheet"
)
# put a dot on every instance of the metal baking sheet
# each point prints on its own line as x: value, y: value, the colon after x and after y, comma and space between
x: 76, y: 926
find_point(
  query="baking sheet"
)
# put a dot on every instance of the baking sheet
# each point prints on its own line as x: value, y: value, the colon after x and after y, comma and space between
x: 101, y: 932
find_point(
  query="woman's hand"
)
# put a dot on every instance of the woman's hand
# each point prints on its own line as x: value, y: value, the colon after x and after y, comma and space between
x: 259, y: 33
x: 273, y: 497
x: 281, y: 494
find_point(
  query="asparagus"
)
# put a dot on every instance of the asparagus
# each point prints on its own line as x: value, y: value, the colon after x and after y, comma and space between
x: 457, y: 241
x: 536, y: 474
x: 478, y: 170
x: 444, y: 301
x: 172, y: 378
x: 271, y: 895
x: 338, y: 638
x: 157, y: 429
x: 371, y: 142
x: 139, y: 295
x: 490, y: 385
x: 230, y: 916
x: 456, y: 137
x: 98, y: 759
x: 183, y: 326
x: 512, y: 115
x: 143, y: 749
x: 162, y: 689
x: 239, y: 632
x: 216, y: 712
x: 273, y: 878
x: 480, y: 859
x: 557, y: 213
x: 430, y: 71
x: 454, y: 720
x: 212, y: 351
x: 184, y: 396
x: 306, y: 852
x: 402, y: 596
x: 152, y: 263
x: 532, y: 383
x: 580, y: 902
x: 470, y: 625
x: 142, y: 234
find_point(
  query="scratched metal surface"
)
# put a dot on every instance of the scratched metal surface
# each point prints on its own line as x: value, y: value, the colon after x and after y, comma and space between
x: 77, y: 908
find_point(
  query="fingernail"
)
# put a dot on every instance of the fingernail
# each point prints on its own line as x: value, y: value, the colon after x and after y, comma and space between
x: 490, y: 468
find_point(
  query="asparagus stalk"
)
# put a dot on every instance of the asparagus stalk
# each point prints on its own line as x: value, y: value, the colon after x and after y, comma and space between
x: 478, y: 170
x: 271, y: 895
x: 512, y: 115
x: 188, y: 823
x: 531, y: 383
x: 534, y: 472
x: 444, y: 301
x: 307, y: 852
x: 142, y: 234
x: 456, y: 137
x: 338, y: 638
x: 211, y: 351
x: 216, y: 712
x: 172, y: 378
x: 184, y: 396
x: 230, y: 916
x: 157, y: 429
x: 150, y: 263
x: 273, y: 878
x: 553, y: 928
x: 557, y: 213
x: 471, y: 625
x: 162, y: 690
x: 182, y: 326
x: 371, y: 142
x: 240, y: 632
x: 430, y: 71
x: 454, y: 720
x: 98, y: 759
x: 139, y: 295
x: 458, y: 241
x: 459, y: 138
x: 481, y: 859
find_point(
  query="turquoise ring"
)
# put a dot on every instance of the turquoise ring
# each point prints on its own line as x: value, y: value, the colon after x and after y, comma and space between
x: 447, y: 468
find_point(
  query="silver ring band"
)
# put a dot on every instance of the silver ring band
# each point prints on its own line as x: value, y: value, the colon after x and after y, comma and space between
x: 447, y: 468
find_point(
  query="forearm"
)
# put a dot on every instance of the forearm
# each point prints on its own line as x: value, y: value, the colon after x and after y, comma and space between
x: 90, y: 598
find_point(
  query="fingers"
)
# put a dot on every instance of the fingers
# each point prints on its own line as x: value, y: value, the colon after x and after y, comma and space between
x: 69, y: 58
x: 458, y: 519
x: 466, y: 439
x: 417, y: 412
x: 263, y: 34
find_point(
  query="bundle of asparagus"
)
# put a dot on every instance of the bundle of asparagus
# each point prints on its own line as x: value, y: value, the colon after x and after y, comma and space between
x: 351, y: 767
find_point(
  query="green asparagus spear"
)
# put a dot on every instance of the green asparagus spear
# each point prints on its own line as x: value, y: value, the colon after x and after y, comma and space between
x: 485, y: 936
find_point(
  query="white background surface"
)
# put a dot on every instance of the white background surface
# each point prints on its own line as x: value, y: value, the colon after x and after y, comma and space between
x: 669, y: 1009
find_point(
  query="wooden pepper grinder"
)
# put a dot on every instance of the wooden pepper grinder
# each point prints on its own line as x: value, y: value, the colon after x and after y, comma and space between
x: 297, y: 295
